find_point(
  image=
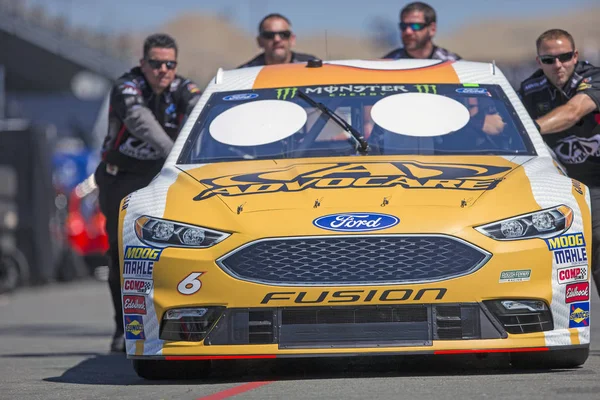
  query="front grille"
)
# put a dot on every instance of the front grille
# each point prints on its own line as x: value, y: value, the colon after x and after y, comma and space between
x: 346, y: 260
x: 352, y: 326
x: 454, y: 322
x: 522, y: 320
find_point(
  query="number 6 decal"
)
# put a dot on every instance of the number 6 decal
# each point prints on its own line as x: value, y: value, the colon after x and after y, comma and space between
x: 190, y: 284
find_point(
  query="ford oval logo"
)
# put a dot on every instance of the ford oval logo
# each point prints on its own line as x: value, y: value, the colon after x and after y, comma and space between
x: 241, y: 96
x: 356, y: 222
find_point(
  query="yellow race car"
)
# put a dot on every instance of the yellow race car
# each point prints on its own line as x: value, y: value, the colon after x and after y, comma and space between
x: 352, y: 208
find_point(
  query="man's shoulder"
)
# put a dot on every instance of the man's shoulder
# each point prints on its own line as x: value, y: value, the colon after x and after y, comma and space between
x: 133, y: 77
x: 536, y: 82
x: 183, y: 84
x: 255, y: 62
x: 440, y: 53
x: 131, y: 83
x: 396, y: 54
x: 584, y: 68
x: 302, y: 57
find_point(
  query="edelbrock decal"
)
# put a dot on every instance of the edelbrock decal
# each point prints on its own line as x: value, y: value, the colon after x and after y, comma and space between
x: 356, y: 222
x: 241, y: 96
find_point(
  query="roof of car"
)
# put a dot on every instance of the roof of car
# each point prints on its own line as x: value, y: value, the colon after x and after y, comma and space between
x: 361, y: 71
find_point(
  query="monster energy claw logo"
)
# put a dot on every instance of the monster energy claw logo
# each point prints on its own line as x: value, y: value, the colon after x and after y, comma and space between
x: 427, y: 88
x: 284, y: 94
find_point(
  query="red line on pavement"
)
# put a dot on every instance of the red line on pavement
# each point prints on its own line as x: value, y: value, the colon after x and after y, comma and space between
x: 521, y: 350
x: 235, y: 391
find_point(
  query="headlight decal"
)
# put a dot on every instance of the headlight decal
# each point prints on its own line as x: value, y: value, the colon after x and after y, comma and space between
x: 540, y: 224
x: 163, y: 233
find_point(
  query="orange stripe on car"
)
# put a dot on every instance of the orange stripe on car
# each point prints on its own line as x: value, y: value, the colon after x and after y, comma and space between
x: 300, y: 75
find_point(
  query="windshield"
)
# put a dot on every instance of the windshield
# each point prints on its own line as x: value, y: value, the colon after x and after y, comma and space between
x: 394, y: 119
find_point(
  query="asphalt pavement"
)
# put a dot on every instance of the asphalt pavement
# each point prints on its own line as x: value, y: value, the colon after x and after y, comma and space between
x: 54, y: 341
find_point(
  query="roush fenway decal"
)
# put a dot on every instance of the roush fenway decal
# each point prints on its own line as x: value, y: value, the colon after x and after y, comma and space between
x: 134, y: 305
x: 577, y: 292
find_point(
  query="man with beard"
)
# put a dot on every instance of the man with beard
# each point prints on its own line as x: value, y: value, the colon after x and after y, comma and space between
x: 276, y: 38
x: 563, y: 98
x: 418, y: 25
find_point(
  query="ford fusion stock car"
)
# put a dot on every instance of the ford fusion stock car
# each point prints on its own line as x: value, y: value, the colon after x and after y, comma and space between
x: 351, y: 208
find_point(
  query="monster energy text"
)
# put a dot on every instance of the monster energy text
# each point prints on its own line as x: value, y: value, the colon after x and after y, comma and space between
x: 427, y: 88
x: 285, y: 93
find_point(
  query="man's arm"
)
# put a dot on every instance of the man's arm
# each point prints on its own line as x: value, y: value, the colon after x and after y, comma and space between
x: 129, y: 105
x: 567, y: 115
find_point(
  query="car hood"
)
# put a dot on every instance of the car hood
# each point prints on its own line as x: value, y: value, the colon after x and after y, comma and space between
x: 352, y: 183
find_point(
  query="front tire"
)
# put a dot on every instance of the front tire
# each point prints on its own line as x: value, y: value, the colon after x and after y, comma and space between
x: 162, y: 369
x: 558, y: 359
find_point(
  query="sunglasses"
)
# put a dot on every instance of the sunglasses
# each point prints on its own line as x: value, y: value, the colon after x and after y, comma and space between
x: 157, y: 64
x: 271, y: 35
x: 564, y: 57
x: 415, y: 26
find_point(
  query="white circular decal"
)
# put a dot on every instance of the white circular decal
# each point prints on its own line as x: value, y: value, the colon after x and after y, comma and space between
x: 420, y: 114
x: 258, y: 122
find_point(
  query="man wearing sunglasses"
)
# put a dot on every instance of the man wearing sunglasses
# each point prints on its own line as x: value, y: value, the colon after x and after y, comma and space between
x: 563, y: 98
x: 148, y: 105
x: 276, y: 38
x: 418, y: 24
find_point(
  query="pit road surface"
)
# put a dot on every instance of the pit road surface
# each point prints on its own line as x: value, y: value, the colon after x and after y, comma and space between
x: 54, y: 341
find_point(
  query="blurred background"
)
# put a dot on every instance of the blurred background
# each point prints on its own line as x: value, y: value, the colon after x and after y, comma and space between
x: 59, y: 57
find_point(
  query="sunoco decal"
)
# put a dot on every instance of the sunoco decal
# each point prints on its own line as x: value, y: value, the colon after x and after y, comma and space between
x: 407, y: 174
x: 134, y: 327
x: 579, y: 315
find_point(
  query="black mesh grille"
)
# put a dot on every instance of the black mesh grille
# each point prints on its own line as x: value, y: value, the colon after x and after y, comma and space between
x: 353, y: 259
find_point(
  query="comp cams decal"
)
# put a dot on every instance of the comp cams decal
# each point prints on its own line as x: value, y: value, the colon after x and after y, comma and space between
x: 139, y: 261
x: 407, y: 174
x: 572, y: 274
x: 137, y: 286
x: 568, y: 249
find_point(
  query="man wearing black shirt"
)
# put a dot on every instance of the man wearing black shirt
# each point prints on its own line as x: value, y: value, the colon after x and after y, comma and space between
x: 563, y: 98
x: 148, y: 106
x: 276, y: 38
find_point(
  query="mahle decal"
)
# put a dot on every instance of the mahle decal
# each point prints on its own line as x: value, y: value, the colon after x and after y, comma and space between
x: 407, y: 174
